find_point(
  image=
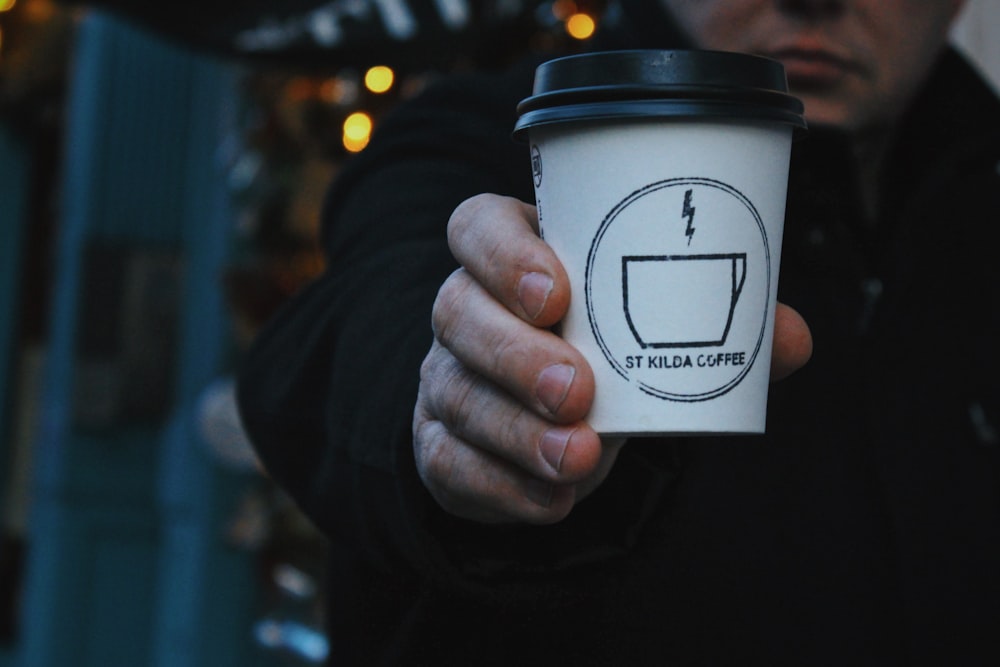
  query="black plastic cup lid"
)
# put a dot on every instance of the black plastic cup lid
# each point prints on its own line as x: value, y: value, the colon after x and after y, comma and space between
x: 652, y: 83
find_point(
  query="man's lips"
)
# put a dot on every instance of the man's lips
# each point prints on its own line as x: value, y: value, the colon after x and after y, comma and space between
x: 812, y: 67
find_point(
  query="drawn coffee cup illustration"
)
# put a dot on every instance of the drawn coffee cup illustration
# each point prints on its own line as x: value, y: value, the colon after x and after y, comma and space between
x: 682, y: 301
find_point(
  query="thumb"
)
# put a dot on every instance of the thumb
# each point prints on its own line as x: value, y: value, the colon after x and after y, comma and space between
x: 792, y: 343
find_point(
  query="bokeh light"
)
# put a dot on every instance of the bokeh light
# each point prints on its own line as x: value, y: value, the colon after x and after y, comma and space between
x: 563, y: 9
x: 379, y: 79
x: 357, y: 131
x: 580, y: 26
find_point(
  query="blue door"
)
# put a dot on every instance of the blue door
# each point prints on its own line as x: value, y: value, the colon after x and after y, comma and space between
x: 128, y: 565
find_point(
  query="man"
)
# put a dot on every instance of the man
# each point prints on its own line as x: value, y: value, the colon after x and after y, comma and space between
x: 490, y: 525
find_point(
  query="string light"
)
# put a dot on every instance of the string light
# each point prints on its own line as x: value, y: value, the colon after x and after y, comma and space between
x: 7, y: 5
x: 580, y: 26
x: 357, y: 131
x: 379, y: 79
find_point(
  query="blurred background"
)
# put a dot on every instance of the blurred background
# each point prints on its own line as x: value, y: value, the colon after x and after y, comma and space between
x: 161, y: 172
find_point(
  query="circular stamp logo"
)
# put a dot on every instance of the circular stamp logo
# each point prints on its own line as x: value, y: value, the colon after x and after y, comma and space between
x: 536, y: 165
x: 678, y: 282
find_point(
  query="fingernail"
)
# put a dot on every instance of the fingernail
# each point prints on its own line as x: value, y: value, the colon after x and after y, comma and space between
x: 533, y: 292
x: 553, y: 446
x: 553, y: 385
x: 539, y: 492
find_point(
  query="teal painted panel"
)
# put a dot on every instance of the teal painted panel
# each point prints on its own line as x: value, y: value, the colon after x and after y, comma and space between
x: 140, y: 142
x: 208, y: 595
x: 136, y: 111
x: 160, y: 587
x: 94, y: 577
x: 122, y: 578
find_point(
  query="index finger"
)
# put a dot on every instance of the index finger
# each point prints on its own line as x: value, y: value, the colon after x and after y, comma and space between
x: 496, y: 239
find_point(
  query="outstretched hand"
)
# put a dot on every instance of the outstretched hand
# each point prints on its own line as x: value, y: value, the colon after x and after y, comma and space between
x: 498, y: 427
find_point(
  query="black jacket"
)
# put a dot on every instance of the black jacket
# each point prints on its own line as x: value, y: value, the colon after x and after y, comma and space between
x: 863, y: 528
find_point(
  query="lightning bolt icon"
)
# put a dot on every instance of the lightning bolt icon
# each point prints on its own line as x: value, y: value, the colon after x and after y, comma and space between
x: 688, y: 213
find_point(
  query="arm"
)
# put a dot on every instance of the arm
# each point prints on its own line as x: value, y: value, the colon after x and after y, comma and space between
x: 328, y: 390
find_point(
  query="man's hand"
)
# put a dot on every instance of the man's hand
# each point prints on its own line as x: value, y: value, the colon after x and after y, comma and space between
x: 498, y: 430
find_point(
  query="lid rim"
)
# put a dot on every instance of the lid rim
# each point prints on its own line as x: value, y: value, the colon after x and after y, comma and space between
x: 652, y: 109
x: 664, y: 92
x: 659, y: 83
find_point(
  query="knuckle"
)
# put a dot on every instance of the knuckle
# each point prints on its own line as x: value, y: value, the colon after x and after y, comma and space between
x: 427, y: 368
x: 447, y: 308
x: 463, y: 218
x: 510, y: 431
x: 431, y: 368
x: 440, y: 469
x: 459, y: 399
x: 452, y: 392
x: 431, y: 452
x: 484, y: 231
x: 505, y: 351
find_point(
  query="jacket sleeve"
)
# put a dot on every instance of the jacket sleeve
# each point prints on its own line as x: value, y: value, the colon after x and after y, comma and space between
x: 328, y: 390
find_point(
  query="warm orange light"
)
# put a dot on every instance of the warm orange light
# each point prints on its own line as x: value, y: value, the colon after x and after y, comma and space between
x: 357, y: 131
x: 355, y: 145
x: 38, y: 11
x: 379, y: 79
x: 580, y: 26
x: 563, y: 9
x: 358, y: 125
x: 6, y: 5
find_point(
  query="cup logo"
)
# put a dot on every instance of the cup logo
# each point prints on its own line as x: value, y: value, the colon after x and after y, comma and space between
x: 536, y: 166
x: 678, y: 283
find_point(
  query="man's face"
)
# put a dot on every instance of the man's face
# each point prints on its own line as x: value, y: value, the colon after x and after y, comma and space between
x: 854, y: 63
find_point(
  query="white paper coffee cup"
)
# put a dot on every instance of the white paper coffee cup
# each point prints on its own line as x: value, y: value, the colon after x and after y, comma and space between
x: 660, y: 180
